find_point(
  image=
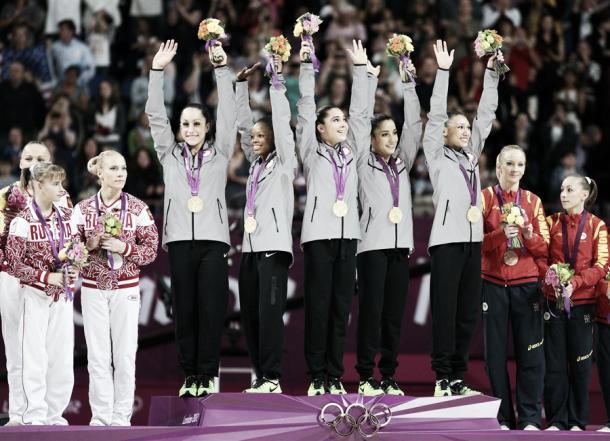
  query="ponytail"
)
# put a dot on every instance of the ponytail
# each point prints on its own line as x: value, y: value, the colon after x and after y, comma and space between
x: 25, y: 179
x: 591, y: 186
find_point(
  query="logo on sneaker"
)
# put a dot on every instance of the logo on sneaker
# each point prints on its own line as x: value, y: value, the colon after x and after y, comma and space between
x: 485, y: 306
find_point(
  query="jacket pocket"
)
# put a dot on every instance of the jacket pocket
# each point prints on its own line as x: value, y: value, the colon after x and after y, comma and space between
x: 169, y: 204
x: 277, y: 229
x: 219, y: 210
x: 315, y: 203
x: 446, y: 209
x: 369, y: 220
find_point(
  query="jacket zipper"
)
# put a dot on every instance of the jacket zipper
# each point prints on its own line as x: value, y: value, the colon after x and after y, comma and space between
x: 446, y: 208
x: 169, y: 204
x: 219, y: 210
x: 275, y: 219
x: 368, y: 221
x: 315, y: 203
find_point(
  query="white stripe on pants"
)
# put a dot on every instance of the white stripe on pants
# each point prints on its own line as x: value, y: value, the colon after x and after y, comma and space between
x: 11, y: 309
x: 48, y: 351
x: 110, y: 319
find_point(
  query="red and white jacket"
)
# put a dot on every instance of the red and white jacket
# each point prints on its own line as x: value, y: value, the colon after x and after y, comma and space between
x: 138, y: 231
x: 592, y: 258
x: 28, y: 251
x: 9, y: 214
x: 495, y: 243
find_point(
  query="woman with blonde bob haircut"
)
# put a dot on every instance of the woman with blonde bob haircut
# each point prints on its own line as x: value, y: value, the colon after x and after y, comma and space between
x: 37, y: 235
x: 121, y: 236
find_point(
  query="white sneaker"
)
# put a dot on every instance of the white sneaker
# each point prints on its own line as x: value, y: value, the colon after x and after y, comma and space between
x: 601, y: 429
x: 504, y: 427
x: 264, y: 386
x: 552, y: 428
x: 530, y: 427
x: 316, y: 387
x: 575, y: 429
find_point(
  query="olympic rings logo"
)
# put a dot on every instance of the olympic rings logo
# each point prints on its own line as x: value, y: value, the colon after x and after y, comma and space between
x: 367, y: 422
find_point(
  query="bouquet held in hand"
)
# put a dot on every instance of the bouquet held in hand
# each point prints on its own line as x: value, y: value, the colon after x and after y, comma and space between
x: 307, y: 25
x: 489, y: 42
x: 277, y: 46
x: 211, y: 30
x: 559, y: 276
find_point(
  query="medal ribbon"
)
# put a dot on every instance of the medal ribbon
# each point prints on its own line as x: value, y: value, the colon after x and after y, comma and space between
x: 55, y: 246
x: 571, y: 258
x: 251, y: 194
x: 394, y: 179
x: 192, y: 175
x: 472, y: 186
x: 340, y: 176
x: 121, y: 218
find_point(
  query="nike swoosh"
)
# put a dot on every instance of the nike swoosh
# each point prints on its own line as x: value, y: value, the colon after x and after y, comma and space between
x: 269, y: 254
x: 225, y: 255
x: 273, y: 390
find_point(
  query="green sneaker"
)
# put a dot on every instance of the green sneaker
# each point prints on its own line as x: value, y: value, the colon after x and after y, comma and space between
x: 442, y: 389
x: 390, y: 387
x: 316, y: 387
x: 189, y: 388
x: 335, y: 387
x: 205, y: 385
x: 370, y: 388
x: 458, y: 387
x: 265, y: 386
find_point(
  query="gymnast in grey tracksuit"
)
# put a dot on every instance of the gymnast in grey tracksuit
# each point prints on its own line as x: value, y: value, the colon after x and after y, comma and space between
x: 452, y: 156
x: 387, y: 232
x: 267, y: 243
x: 195, y: 227
x: 330, y: 229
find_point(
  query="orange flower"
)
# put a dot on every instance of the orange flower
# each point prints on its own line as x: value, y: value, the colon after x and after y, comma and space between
x: 397, y: 45
x: 498, y: 39
x: 203, y: 30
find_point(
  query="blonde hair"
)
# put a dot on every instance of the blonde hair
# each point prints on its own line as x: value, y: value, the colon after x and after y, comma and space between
x: 95, y: 164
x: 44, y: 171
x: 506, y: 149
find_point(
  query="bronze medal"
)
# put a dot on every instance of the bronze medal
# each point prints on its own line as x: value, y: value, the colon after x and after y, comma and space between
x: 510, y: 258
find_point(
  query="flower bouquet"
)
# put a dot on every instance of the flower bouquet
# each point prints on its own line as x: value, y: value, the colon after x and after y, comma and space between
x: 277, y: 46
x: 489, y: 42
x: 559, y: 276
x: 400, y: 46
x: 211, y: 30
x: 110, y: 225
x: 73, y: 254
x: 307, y: 25
x: 12, y: 201
x: 512, y: 214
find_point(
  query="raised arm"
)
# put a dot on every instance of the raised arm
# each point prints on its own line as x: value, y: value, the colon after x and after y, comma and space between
x: 410, y: 138
x: 433, y: 135
x: 160, y: 127
x: 306, y: 106
x: 226, y: 113
x: 245, y: 119
x: 486, y: 112
x: 359, y: 123
x: 280, y: 116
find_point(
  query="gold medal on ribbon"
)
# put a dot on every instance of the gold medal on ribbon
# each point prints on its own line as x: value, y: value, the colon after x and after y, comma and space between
x: 340, y: 208
x: 395, y: 215
x: 250, y: 224
x: 473, y: 214
x: 510, y: 258
x: 117, y: 261
x: 195, y: 204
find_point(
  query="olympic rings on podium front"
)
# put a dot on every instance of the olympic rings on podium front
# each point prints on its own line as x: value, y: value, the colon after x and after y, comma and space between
x: 356, y: 417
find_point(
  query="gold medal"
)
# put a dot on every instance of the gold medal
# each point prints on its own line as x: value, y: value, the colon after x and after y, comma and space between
x: 340, y: 208
x: 510, y: 258
x: 473, y: 214
x: 195, y: 204
x: 395, y: 215
x: 250, y: 224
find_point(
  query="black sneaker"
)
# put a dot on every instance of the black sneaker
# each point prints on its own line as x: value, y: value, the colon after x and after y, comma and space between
x: 391, y: 387
x: 189, y: 388
x: 370, y: 387
x: 458, y: 387
x: 335, y: 387
x: 205, y: 385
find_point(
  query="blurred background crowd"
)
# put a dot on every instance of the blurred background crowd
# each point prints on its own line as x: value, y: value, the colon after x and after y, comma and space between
x: 74, y: 74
